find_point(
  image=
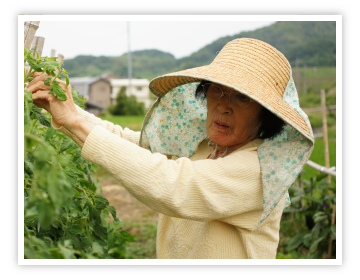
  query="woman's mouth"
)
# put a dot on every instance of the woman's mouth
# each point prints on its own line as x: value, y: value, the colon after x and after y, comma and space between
x: 221, y: 126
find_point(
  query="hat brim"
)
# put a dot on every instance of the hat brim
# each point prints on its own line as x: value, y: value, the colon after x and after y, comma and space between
x: 237, y: 78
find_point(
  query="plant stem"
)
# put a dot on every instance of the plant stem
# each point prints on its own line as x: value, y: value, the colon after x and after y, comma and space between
x: 33, y: 125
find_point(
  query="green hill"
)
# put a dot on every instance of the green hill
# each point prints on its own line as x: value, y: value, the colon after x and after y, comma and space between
x: 312, y: 43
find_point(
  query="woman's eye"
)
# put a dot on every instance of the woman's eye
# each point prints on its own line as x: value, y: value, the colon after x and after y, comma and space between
x: 241, y: 97
x: 216, y: 89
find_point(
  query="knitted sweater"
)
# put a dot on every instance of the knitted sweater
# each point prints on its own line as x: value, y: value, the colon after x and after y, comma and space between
x: 208, y: 208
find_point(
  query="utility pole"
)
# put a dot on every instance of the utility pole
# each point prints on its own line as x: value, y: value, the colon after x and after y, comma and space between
x: 129, y: 59
x: 315, y: 84
x: 297, y: 74
x: 305, y: 86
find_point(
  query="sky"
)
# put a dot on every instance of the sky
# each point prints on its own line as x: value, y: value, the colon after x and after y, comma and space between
x: 110, y: 38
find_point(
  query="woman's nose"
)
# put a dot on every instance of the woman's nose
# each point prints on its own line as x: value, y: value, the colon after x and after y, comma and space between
x: 224, y: 104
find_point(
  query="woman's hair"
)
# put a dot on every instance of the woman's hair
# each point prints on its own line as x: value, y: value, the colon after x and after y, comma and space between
x: 271, y: 125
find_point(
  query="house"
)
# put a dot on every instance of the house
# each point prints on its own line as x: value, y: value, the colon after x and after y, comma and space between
x: 139, y: 88
x: 97, y: 89
x: 101, y: 91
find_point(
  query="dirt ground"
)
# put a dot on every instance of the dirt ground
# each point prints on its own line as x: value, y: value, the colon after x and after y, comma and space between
x: 127, y: 207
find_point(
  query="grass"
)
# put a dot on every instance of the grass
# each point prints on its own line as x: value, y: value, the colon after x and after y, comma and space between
x: 322, y: 78
x: 131, y: 122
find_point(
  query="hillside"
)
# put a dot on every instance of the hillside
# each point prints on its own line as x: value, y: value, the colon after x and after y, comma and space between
x: 313, y: 43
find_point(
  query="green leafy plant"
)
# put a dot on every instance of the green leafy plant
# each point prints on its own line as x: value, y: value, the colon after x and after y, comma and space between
x: 307, y: 223
x: 64, y: 214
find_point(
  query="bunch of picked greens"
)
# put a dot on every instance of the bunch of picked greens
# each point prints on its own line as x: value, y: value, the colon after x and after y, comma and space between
x: 65, y: 215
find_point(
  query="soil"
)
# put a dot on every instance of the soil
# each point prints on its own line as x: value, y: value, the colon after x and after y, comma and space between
x: 128, y: 208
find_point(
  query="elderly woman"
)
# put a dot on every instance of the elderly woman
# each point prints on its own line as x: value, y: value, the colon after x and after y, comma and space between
x: 216, y: 155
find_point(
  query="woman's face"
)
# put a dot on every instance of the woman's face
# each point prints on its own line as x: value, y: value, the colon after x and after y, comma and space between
x: 229, y: 125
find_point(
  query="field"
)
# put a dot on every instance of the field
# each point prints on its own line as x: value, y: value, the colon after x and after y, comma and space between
x: 141, y: 221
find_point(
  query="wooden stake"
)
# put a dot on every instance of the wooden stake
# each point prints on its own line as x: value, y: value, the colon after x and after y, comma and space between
x: 30, y: 28
x: 60, y: 58
x: 327, y: 162
x: 39, y: 43
x: 325, y: 133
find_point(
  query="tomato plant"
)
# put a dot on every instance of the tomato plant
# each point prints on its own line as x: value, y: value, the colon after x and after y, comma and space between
x: 65, y: 216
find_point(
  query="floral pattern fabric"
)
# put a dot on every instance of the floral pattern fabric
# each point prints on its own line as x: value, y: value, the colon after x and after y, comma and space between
x: 176, y: 125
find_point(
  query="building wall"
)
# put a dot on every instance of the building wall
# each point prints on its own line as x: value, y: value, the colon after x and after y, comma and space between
x: 100, y: 92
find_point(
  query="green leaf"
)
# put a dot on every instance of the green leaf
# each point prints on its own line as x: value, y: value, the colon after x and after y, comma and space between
x: 50, y: 132
x: 66, y: 144
x: 47, y: 81
x: 88, y: 174
x: 77, y: 158
x: 111, y: 237
x: 71, y: 176
x: 29, y: 167
x: 42, y: 119
x: 307, y: 239
x: 50, y: 66
x: 315, y: 244
x: 84, y: 183
x: 97, y: 249
x: 33, y: 64
x: 46, y: 213
x: 75, y: 95
x: 85, y: 242
x: 320, y: 218
x: 28, y: 96
x: 127, y: 236
x: 57, y: 90
x: 296, y: 240
x: 55, y: 187
x: 112, y: 211
x: 98, y: 239
x: 94, y: 214
x: 316, y: 231
x: 101, y: 231
x: 100, y: 201
x: 76, y: 229
x: 67, y: 250
x: 311, y: 198
x: 70, y: 234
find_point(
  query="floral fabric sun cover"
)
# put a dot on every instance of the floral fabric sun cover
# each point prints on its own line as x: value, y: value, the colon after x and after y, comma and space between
x: 176, y: 125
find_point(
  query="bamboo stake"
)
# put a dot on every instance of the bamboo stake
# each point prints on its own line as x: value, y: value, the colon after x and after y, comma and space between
x: 327, y: 161
x: 30, y: 28
x: 325, y: 133
x: 320, y: 168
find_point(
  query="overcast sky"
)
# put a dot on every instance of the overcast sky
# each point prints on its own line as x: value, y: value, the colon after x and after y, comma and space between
x: 110, y: 38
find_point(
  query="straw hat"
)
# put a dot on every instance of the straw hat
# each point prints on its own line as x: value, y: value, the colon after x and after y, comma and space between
x: 250, y: 66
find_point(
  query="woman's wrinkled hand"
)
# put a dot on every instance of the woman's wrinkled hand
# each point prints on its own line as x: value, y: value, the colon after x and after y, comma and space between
x: 63, y: 113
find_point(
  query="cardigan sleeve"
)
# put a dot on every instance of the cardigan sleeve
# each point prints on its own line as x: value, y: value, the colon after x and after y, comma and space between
x: 199, y: 190
x: 127, y: 134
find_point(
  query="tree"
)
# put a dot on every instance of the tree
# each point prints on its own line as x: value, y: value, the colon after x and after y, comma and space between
x: 126, y: 105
